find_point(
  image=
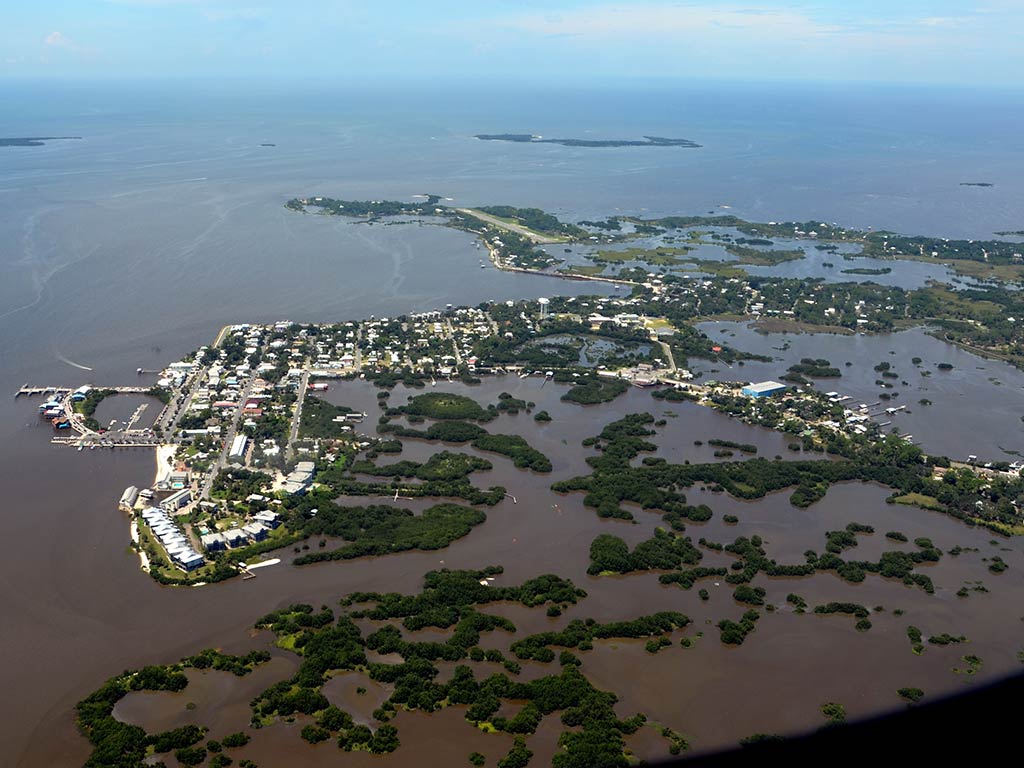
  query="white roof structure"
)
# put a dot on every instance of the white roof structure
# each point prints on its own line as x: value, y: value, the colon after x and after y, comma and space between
x: 764, y: 386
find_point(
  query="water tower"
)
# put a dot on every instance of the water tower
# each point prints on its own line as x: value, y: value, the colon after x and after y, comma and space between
x: 543, y: 307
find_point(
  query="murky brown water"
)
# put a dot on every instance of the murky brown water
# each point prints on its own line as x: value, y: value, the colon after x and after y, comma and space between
x: 711, y: 693
x: 975, y: 408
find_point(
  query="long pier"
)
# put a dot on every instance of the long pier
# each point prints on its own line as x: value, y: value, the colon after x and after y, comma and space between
x: 29, y: 390
x: 90, y: 442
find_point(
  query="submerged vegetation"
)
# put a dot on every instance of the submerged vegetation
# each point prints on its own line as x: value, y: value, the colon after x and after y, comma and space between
x: 326, y: 644
x: 596, y: 357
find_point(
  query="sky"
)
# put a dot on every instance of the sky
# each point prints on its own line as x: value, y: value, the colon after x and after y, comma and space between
x: 882, y: 41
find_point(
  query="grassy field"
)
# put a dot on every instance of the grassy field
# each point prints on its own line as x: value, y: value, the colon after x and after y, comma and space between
x: 590, y: 270
x: 920, y: 500
x: 514, y: 225
x: 1007, y: 272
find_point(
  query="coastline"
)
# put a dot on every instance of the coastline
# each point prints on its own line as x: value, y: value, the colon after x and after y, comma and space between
x: 164, y: 452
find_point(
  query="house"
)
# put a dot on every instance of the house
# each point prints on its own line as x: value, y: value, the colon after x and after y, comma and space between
x: 213, y: 542
x: 234, y: 537
x: 267, y: 518
x: 256, y: 531
x: 189, y: 560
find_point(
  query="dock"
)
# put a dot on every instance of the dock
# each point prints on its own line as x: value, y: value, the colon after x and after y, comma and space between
x: 29, y: 390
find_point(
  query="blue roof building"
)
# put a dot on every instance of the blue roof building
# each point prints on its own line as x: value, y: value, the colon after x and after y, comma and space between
x: 764, y: 389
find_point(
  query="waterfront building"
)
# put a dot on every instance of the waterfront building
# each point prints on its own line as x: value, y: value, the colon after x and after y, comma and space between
x: 763, y: 389
x: 300, y: 478
x: 256, y: 531
x: 234, y: 537
x: 176, y: 500
x: 189, y: 560
x: 213, y: 542
x: 128, y: 499
x: 267, y: 518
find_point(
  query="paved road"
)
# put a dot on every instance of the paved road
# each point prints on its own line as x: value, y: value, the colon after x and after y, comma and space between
x: 449, y: 334
x: 229, y: 438
x: 297, y: 417
x: 668, y: 354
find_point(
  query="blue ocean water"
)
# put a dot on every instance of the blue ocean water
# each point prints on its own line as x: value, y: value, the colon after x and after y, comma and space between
x: 166, y: 215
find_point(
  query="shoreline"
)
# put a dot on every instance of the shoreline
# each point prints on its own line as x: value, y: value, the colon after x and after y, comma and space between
x: 164, y: 452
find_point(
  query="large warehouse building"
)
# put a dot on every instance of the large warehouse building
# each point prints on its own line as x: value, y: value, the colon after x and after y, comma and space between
x: 764, y: 389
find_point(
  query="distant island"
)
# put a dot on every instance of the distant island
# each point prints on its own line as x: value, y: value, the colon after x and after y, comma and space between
x: 267, y: 144
x: 648, y: 141
x: 976, y: 184
x: 33, y: 141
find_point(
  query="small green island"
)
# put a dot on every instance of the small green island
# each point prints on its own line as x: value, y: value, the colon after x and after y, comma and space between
x: 33, y: 141
x: 647, y: 141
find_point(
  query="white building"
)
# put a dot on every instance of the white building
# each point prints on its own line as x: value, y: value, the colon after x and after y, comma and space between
x: 238, y: 446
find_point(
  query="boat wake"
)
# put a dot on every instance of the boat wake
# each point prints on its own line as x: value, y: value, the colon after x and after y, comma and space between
x: 73, y: 363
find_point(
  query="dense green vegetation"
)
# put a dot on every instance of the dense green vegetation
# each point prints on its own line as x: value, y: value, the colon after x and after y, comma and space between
x: 373, y: 208
x: 448, y: 432
x: 595, y: 389
x: 609, y: 554
x: 318, y: 418
x: 534, y: 219
x: 446, y: 406
x: 516, y: 448
x: 87, y: 407
x: 32, y: 141
x: 327, y: 643
x: 441, y: 466
x: 889, y: 461
x: 237, y: 483
x: 815, y: 368
x: 379, y: 530
x: 449, y: 599
x: 833, y: 712
x: 735, y: 632
x: 744, y: 447
x: 866, y: 271
x: 513, y: 446
x: 119, y: 745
